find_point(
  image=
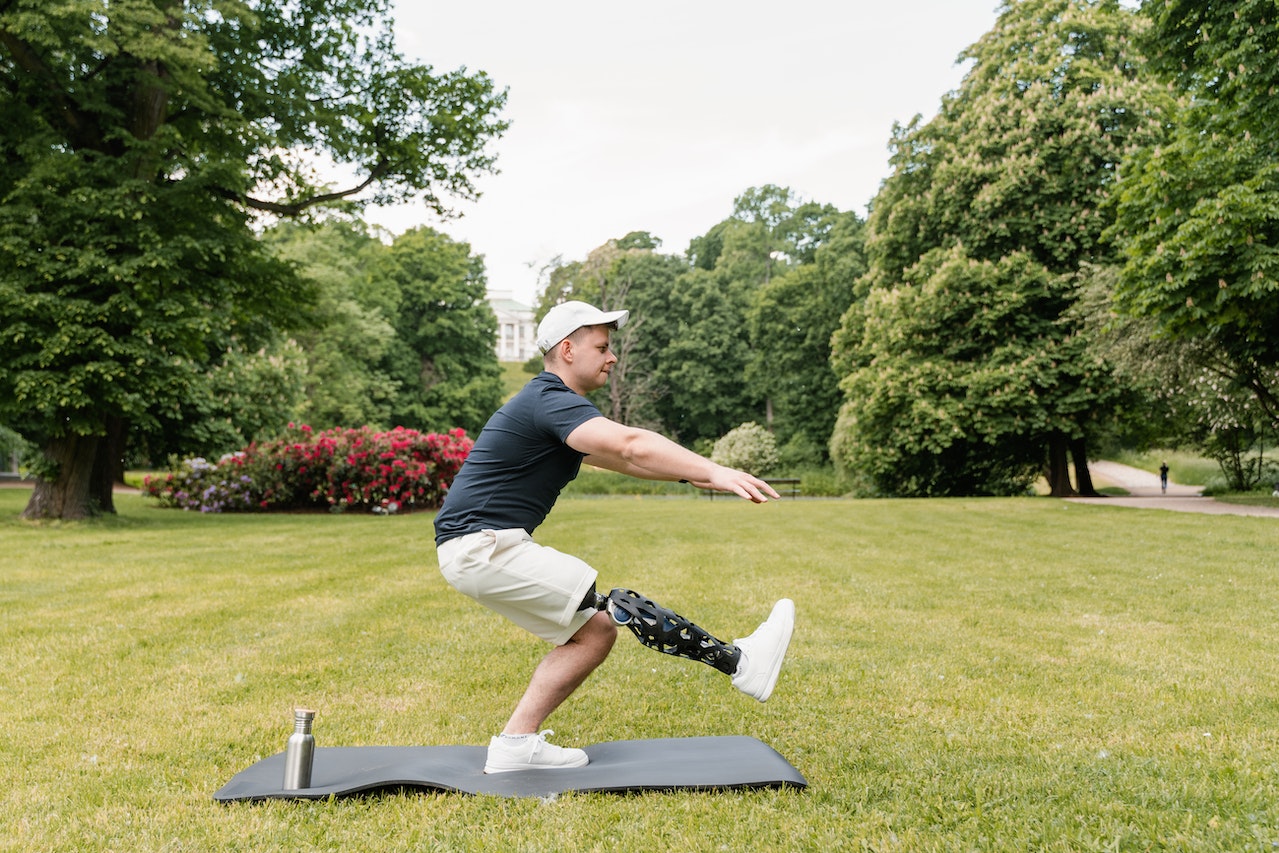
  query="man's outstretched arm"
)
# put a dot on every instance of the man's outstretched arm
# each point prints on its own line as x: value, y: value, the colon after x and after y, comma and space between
x: 651, y: 456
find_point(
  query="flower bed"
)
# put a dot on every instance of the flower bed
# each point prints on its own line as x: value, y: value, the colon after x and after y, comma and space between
x: 337, y: 469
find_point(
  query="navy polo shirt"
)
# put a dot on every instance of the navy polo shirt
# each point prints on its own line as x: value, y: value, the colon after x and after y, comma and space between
x: 519, y: 464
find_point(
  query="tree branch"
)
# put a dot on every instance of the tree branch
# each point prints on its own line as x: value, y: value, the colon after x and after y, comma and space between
x: 25, y: 58
x: 295, y: 208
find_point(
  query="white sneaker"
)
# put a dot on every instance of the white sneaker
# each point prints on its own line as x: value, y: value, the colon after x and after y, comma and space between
x: 531, y: 752
x: 763, y: 651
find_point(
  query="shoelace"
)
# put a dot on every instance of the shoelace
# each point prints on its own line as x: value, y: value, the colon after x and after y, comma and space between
x: 540, y: 742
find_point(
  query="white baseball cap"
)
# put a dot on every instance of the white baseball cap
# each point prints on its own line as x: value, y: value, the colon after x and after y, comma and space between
x: 567, y: 317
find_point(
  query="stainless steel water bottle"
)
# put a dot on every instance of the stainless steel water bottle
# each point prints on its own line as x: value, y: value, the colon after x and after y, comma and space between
x: 299, y: 755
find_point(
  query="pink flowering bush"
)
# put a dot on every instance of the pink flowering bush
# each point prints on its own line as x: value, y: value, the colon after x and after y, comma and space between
x: 337, y: 469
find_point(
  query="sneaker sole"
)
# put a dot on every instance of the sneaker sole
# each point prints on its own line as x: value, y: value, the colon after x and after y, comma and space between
x: 788, y: 605
x: 490, y: 771
x: 515, y: 768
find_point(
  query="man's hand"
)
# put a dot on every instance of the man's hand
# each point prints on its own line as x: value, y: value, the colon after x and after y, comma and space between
x: 740, y: 483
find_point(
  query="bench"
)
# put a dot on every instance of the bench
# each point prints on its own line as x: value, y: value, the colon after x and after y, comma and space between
x: 785, y: 486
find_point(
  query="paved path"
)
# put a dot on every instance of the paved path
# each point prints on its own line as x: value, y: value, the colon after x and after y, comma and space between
x: 1144, y: 492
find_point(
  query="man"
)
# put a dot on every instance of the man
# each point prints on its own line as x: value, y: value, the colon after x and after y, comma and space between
x: 527, y: 452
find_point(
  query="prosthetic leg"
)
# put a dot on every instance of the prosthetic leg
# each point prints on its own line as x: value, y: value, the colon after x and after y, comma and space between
x: 664, y: 630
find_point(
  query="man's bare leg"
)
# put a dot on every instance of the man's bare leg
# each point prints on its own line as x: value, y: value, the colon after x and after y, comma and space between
x: 561, y: 672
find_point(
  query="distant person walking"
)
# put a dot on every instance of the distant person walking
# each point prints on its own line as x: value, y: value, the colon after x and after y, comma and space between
x: 1163, y: 477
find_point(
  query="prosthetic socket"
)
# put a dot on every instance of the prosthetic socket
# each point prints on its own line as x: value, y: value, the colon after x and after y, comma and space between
x: 664, y: 630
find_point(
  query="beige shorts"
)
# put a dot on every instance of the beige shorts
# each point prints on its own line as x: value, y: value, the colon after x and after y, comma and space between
x: 538, y: 588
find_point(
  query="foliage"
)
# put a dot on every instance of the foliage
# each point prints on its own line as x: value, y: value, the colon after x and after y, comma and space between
x: 771, y: 230
x: 934, y: 413
x: 1189, y: 387
x: 1197, y: 214
x: 691, y: 340
x: 338, y: 470
x: 818, y: 481
x: 791, y: 320
x: 13, y: 449
x: 243, y: 396
x: 140, y: 140
x: 749, y: 448
x: 196, y: 483
x: 705, y: 371
x: 961, y: 366
x: 402, y: 333
x: 627, y: 273
x: 1221, y: 417
x: 442, y: 354
x: 702, y: 368
x: 346, y: 381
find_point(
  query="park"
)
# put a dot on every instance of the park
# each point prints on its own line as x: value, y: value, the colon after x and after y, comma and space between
x: 231, y: 407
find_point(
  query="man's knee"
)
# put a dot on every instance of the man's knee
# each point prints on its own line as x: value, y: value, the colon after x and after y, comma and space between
x: 598, y: 633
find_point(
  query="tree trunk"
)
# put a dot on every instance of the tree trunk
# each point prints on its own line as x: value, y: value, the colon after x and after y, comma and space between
x: 1058, y: 468
x: 1083, y: 479
x: 67, y: 496
x: 108, y: 465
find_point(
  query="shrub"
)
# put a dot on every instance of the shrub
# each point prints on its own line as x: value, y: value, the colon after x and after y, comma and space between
x: 336, y: 469
x: 196, y: 483
x: 749, y: 447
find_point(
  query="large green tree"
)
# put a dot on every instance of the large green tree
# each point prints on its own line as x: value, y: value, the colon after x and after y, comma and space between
x: 442, y: 356
x: 705, y: 371
x: 346, y: 383
x: 791, y: 320
x: 137, y: 141
x: 1198, y: 213
x: 957, y: 362
x: 995, y: 203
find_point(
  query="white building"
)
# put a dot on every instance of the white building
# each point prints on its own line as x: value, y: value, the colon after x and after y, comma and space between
x: 516, y: 331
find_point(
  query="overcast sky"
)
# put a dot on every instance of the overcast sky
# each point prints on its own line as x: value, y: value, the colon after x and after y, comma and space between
x: 654, y: 116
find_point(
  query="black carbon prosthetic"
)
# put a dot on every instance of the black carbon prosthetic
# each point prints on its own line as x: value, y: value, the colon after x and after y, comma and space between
x: 667, y: 631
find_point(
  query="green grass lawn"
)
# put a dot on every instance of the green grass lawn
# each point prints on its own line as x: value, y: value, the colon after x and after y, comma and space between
x: 1020, y: 674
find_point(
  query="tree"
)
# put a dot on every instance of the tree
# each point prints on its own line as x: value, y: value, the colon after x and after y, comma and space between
x: 643, y: 281
x: 955, y: 408
x: 791, y: 321
x: 1197, y: 214
x: 624, y: 273
x: 345, y: 346
x: 139, y: 140
x: 704, y: 370
x: 771, y: 230
x: 1186, y: 390
x: 442, y: 356
x: 684, y: 354
x: 1000, y: 193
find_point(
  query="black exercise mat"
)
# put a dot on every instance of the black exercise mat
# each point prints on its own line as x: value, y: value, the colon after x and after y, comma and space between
x: 617, y: 767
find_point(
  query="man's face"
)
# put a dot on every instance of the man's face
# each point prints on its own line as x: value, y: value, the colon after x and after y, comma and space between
x: 592, y: 358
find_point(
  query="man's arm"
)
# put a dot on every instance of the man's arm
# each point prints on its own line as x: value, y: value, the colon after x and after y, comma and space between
x: 648, y: 455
